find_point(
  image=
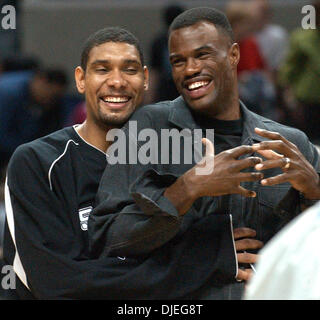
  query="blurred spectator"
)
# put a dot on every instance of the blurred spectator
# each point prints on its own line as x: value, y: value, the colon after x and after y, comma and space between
x: 18, y: 63
x: 30, y: 107
x: 256, y: 88
x: 288, y: 266
x: 242, y: 22
x: 271, y: 38
x: 161, y: 83
x: 300, y: 77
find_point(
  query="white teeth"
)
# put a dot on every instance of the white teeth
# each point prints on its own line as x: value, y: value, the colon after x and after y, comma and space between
x: 115, y: 99
x: 198, y: 84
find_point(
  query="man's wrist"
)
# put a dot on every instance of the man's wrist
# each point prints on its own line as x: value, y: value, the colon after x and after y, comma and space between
x: 188, y: 184
x: 314, y: 193
x: 307, y: 202
x: 181, y: 195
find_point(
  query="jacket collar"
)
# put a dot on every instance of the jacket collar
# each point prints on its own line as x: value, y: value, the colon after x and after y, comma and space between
x: 181, y: 116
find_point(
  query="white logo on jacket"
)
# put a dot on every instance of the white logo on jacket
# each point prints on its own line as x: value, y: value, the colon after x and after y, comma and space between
x: 84, y: 216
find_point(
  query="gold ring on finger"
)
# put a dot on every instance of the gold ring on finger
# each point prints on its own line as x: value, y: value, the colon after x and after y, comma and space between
x: 288, y: 163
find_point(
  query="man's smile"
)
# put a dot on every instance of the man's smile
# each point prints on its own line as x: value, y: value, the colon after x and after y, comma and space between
x: 197, y: 85
x: 197, y: 88
x: 115, y: 101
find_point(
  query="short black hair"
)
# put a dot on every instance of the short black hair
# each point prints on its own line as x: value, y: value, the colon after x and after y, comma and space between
x: 109, y: 34
x: 192, y: 16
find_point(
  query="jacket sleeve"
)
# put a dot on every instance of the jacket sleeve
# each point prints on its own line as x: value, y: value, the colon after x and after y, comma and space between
x: 131, y: 216
x: 45, y: 258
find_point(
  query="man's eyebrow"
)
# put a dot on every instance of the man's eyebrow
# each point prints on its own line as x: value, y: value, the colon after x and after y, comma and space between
x: 126, y: 61
x: 100, y: 62
x: 174, y: 55
x: 132, y: 61
x: 206, y: 47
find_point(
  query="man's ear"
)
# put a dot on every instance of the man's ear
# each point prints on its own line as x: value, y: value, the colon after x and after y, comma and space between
x: 234, y: 55
x: 79, y: 75
x: 146, y: 78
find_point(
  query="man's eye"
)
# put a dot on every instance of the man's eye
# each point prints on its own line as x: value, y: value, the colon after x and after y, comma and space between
x: 177, y: 63
x: 131, y: 70
x: 202, y: 54
x: 100, y: 70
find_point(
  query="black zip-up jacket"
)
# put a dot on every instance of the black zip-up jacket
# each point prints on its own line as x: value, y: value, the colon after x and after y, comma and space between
x: 50, y: 190
x: 133, y: 218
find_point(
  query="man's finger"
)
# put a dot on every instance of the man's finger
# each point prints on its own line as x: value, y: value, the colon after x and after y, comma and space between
x: 249, y: 176
x: 245, y: 192
x: 244, y: 274
x: 248, y: 244
x: 281, y: 178
x: 245, y: 163
x: 238, y: 151
x: 273, y: 136
x: 244, y: 233
x: 275, y: 145
x: 246, y: 257
x: 270, y: 154
x: 269, y: 164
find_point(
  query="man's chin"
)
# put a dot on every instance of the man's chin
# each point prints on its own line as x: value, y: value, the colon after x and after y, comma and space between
x: 204, y: 104
x: 114, y: 122
x: 199, y: 107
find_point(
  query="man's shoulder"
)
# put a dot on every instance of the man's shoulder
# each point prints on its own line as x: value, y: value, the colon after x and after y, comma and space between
x: 153, y: 115
x: 272, y: 124
x: 44, y: 149
x: 160, y: 108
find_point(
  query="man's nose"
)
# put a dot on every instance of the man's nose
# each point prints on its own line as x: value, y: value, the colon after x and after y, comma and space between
x: 116, y: 79
x: 193, y: 66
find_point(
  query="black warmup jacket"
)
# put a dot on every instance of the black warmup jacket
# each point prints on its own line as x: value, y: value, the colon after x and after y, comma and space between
x: 50, y: 190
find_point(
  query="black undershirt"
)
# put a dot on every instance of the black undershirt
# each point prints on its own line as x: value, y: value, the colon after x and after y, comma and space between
x: 227, y: 133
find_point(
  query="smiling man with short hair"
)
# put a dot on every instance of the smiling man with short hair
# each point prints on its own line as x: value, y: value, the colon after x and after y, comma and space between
x: 52, y: 181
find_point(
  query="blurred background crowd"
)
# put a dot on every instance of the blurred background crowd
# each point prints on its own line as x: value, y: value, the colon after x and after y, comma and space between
x: 279, y: 69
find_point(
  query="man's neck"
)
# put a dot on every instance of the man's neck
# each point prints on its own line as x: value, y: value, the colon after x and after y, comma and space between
x: 227, y: 111
x: 94, y: 135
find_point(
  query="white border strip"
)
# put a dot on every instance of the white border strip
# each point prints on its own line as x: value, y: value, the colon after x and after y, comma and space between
x: 17, y: 265
x: 234, y: 247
